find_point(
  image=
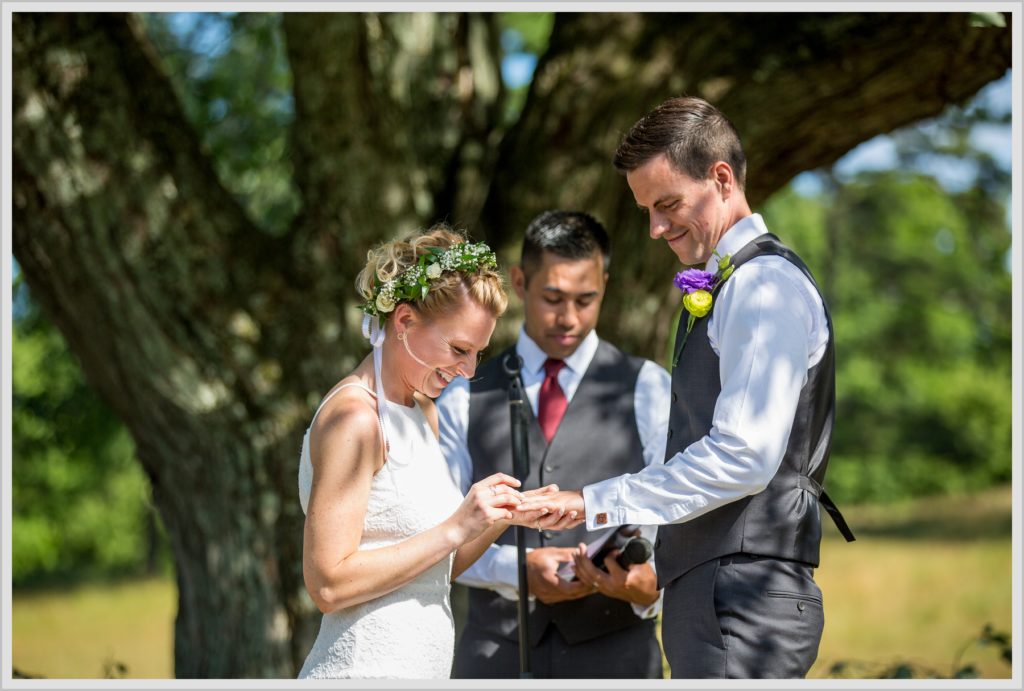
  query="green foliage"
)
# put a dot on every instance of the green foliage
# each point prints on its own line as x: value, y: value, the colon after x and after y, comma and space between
x: 80, y: 501
x: 532, y: 28
x: 917, y: 284
x: 986, y: 19
x: 232, y: 77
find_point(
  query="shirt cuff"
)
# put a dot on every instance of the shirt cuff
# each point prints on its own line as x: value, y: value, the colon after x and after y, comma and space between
x: 650, y: 611
x: 601, y: 503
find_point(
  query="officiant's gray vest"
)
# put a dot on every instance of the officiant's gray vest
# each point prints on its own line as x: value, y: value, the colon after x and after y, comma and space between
x: 783, y: 521
x: 597, y: 439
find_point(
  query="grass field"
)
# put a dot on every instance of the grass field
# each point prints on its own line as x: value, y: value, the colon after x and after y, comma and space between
x: 921, y: 581
x: 86, y: 631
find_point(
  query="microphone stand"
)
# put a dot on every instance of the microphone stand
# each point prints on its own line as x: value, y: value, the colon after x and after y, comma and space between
x: 521, y: 469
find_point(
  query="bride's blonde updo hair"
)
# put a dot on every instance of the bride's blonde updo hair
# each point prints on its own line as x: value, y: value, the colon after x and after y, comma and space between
x: 390, y: 259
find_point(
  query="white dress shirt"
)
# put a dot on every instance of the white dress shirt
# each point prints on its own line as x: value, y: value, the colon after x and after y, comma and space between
x: 768, y: 329
x: 497, y: 568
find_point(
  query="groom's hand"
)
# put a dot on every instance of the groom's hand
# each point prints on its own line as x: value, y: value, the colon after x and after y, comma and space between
x: 541, y: 517
x: 566, y: 505
x: 544, y: 583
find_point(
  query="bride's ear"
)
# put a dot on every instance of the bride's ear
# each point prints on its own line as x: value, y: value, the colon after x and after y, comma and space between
x: 403, y: 318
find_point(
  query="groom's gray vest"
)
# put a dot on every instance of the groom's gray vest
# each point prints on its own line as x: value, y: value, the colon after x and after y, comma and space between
x: 597, y: 439
x: 782, y: 521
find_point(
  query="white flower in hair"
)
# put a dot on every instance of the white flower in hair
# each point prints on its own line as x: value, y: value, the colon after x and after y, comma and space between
x: 434, y: 271
x: 385, y: 302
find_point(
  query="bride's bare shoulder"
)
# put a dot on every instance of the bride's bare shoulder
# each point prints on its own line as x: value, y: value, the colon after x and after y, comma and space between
x: 347, y: 424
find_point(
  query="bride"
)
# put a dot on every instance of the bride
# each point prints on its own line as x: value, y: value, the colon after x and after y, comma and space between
x: 386, y: 527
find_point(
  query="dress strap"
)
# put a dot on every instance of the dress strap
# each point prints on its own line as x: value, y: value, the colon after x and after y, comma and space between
x: 329, y: 396
x: 358, y: 384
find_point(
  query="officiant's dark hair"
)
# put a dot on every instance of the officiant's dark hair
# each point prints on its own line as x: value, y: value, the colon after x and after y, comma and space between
x: 691, y: 132
x: 567, y: 234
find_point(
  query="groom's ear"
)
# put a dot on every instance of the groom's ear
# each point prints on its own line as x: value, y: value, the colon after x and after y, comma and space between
x: 518, y: 279
x: 723, y: 176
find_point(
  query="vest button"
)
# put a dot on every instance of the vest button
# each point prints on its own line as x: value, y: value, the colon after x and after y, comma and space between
x: 549, y: 468
x: 801, y: 605
x: 669, y: 432
x: 548, y: 534
x: 674, y: 397
x: 657, y: 543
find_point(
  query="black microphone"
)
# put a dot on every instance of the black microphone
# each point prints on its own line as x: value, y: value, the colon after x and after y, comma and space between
x: 633, y: 549
x: 637, y: 550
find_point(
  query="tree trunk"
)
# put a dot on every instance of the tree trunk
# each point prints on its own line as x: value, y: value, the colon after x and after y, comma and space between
x: 214, y: 339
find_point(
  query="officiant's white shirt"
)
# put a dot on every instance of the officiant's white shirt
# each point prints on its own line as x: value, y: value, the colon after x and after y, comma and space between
x: 497, y: 569
x: 768, y: 329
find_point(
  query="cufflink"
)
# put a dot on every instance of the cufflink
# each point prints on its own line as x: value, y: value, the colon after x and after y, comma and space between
x: 601, y: 518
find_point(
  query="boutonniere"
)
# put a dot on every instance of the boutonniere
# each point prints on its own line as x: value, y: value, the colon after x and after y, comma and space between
x: 698, y: 288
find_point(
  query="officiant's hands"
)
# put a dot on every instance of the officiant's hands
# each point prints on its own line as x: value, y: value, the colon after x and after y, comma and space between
x: 545, y: 584
x: 638, y: 583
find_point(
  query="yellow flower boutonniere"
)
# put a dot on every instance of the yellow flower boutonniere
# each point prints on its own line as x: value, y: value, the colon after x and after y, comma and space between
x: 698, y: 288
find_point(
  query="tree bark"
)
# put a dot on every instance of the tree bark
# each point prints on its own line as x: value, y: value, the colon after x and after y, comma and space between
x: 149, y: 268
x: 213, y: 338
x: 802, y: 89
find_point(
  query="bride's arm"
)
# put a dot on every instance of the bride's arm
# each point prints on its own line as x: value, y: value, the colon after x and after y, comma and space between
x: 345, y: 452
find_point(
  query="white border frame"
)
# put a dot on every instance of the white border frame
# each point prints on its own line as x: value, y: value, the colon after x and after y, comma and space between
x: 8, y: 8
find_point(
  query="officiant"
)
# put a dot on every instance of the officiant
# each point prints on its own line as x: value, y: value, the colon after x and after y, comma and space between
x: 596, y: 412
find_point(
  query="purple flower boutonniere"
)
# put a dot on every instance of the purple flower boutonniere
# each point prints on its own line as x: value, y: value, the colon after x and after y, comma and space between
x: 698, y: 288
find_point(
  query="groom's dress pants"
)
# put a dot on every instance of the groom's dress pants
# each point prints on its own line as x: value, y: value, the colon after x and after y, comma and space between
x: 742, y: 617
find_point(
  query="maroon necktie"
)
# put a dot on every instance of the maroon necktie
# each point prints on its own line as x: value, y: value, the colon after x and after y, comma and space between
x: 552, y: 403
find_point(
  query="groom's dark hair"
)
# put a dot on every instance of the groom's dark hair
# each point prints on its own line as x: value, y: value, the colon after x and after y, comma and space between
x: 567, y: 234
x: 691, y: 132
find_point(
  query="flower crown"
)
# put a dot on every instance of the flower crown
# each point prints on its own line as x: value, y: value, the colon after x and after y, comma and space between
x: 414, y: 282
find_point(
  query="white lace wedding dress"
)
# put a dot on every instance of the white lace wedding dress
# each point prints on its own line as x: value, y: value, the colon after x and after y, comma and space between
x: 408, y: 633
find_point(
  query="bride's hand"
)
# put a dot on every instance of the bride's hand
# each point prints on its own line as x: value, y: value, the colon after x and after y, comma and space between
x: 489, y: 501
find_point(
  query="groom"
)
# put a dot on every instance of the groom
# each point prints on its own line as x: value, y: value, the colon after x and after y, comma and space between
x: 753, y: 398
